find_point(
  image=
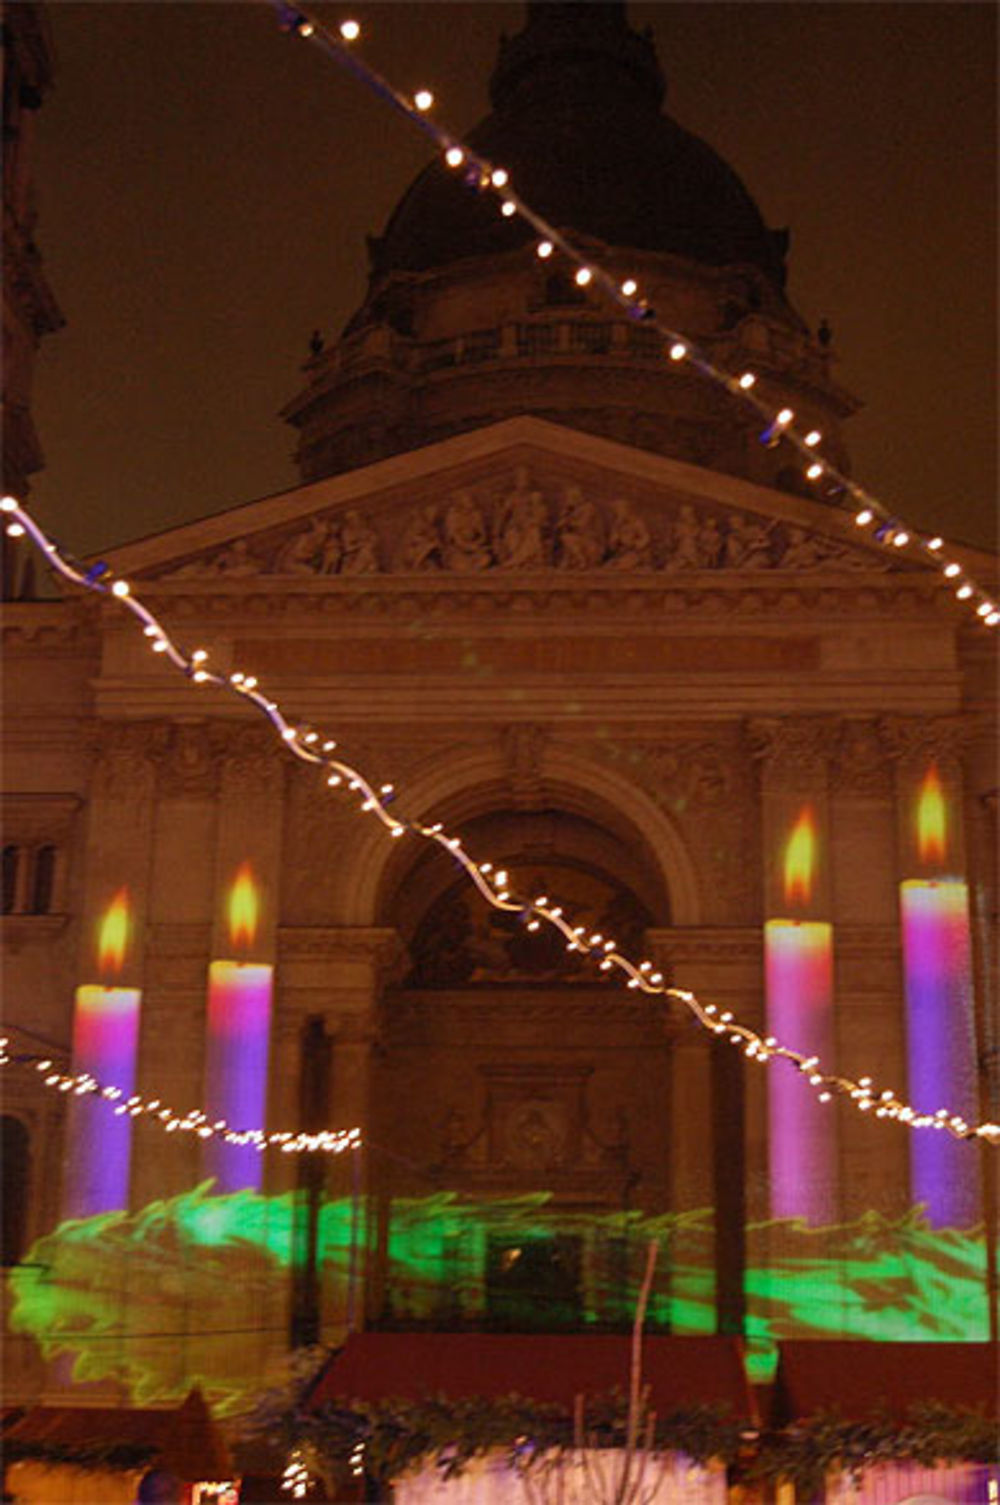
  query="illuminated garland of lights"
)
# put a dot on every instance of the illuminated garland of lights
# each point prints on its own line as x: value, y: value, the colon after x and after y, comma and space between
x: 82, y: 1084
x: 311, y: 747
x: 885, y: 527
x: 296, y: 1480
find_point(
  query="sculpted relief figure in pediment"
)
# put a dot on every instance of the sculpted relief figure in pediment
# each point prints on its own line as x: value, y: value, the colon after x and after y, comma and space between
x: 630, y: 544
x: 421, y: 545
x: 473, y: 530
x: 521, y: 536
x: 466, y: 544
x: 579, y: 532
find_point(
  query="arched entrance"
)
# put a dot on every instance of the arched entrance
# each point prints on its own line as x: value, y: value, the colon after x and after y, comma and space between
x: 521, y: 1107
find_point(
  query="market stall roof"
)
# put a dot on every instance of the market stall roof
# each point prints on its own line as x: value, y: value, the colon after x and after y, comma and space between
x: 183, y: 1439
x: 682, y: 1372
x: 859, y: 1377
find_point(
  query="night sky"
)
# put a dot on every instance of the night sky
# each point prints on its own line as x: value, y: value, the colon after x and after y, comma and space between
x: 205, y: 185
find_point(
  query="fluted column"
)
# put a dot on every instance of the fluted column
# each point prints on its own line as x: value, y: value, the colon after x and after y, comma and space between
x: 798, y: 940
x: 937, y: 961
x: 334, y: 976
x: 107, y: 1005
x: 248, y: 852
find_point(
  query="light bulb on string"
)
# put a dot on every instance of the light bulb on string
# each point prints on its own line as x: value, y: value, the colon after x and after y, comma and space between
x: 423, y: 99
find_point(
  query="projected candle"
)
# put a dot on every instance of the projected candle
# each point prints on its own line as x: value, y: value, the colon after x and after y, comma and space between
x: 239, y: 1028
x: 798, y: 956
x: 940, y: 1044
x: 105, y: 1044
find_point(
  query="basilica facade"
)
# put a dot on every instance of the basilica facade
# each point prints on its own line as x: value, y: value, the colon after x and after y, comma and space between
x: 562, y: 599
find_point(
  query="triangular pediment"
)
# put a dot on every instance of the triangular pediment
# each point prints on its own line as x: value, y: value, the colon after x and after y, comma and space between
x: 523, y: 496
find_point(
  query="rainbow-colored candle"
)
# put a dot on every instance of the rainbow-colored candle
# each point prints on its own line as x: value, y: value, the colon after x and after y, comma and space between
x: 239, y: 1030
x: 940, y: 1038
x: 798, y: 956
x: 106, y: 1045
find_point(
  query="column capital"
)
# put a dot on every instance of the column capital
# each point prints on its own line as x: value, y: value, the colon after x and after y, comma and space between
x: 252, y: 760
x: 862, y: 764
x: 126, y: 755
x: 801, y: 745
x: 912, y: 740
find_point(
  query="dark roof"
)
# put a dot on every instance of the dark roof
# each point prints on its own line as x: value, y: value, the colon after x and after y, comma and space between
x: 681, y: 1372
x: 858, y: 1378
x: 577, y: 123
x: 183, y: 1439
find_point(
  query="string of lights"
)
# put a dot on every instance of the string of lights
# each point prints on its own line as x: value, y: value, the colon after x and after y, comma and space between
x: 311, y: 747
x: 872, y: 517
x: 135, y: 1105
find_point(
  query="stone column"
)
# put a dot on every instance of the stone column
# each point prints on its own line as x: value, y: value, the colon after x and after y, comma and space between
x: 710, y: 1088
x: 869, y: 1013
x: 983, y: 839
x: 802, y: 1136
x: 335, y: 974
x: 249, y: 842
x: 118, y: 854
x: 937, y: 961
x: 180, y: 926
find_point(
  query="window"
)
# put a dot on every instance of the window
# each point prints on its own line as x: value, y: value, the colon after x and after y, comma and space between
x: 11, y: 871
x: 29, y: 878
x: 15, y: 1166
x: 533, y: 1283
x: 43, y: 879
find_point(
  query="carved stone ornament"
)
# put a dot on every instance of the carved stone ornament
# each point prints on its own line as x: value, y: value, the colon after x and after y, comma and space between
x: 518, y: 527
x: 523, y: 746
x: 253, y: 765
x: 801, y: 745
x: 916, y: 740
x: 191, y: 760
x: 127, y: 754
x: 701, y: 774
x: 861, y: 763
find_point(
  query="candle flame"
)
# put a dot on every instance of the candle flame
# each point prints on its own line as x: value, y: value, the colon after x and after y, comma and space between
x: 243, y: 907
x: 113, y: 935
x: 932, y: 822
x: 800, y: 859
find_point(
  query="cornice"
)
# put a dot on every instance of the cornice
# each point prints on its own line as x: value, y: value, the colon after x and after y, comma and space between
x: 46, y: 626
x: 764, y: 598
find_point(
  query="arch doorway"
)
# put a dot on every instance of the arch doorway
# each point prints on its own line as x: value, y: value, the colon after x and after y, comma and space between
x: 520, y: 1116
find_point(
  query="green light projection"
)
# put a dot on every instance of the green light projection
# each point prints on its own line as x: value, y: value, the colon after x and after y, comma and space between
x: 196, y: 1290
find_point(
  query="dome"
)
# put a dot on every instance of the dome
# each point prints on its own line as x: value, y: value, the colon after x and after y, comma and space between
x: 577, y: 122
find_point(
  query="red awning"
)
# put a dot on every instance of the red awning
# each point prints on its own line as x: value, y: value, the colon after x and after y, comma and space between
x: 682, y: 1372
x: 858, y: 1378
x: 184, y: 1439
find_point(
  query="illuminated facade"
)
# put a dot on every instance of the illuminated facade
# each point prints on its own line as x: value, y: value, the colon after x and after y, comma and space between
x: 574, y: 610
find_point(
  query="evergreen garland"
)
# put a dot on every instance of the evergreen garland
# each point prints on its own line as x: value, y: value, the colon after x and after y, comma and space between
x: 118, y: 1456
x: 449, y: 1432
x: 827, y: 1443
